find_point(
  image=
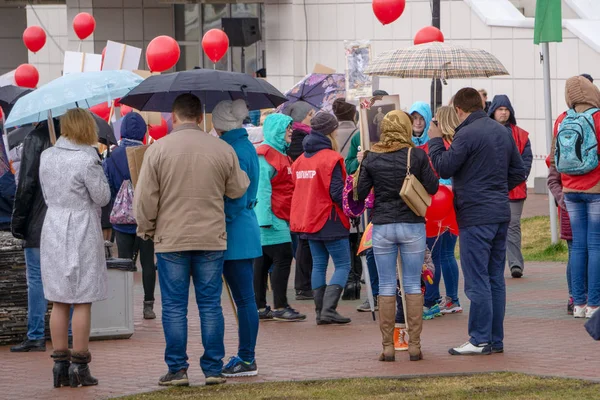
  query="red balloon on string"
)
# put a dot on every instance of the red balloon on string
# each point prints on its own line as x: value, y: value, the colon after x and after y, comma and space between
x: 102, y: 110
x: 158, y: 131
x: 84, y: 25
x: 125, y: 110
x: 162, y: 53
x: 34, y: 38
x: 26, y: 75
x: 441, y: 204
x: 428, y: 34
x: 215, y: 44
x: 433, y: 228
x: 387, y: 11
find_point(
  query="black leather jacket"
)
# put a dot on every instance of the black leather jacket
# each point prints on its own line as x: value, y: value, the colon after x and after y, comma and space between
x: 30, y: 208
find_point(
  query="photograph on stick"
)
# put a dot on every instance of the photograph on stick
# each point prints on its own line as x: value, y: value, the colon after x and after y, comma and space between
x: 371, y: 111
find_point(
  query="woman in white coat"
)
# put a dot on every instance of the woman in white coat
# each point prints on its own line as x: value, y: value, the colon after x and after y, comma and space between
x: 73, y: 263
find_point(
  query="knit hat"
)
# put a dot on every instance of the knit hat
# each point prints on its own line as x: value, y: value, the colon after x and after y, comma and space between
x: 324, y: 123
x: 229, y: 115
x: 133, y: 127
x: 580, y: 91
x: 298, y: 110
x: 343, y: 110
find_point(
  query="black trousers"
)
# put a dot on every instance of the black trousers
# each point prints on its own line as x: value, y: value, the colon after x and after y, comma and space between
x: 130, y: 245
x: 302, y: 280
x: 280, y: 257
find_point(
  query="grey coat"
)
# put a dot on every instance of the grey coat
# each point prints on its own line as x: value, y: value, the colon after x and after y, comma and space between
x: 73, y: 263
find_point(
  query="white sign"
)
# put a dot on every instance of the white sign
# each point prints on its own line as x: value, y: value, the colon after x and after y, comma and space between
x: 81, y: 62
x: 121, y: 56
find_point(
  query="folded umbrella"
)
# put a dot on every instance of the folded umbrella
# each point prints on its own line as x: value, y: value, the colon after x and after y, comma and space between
x: 9, y: 96
x: 83, y: 90
x: 158, y: 92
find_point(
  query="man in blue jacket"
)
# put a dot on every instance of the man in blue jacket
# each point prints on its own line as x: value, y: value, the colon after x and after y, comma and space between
x: 485, y: 164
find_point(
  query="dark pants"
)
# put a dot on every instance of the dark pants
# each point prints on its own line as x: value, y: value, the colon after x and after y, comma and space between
x: 302, y: 279
x: 280, y: 257
x: 400, y: 317
x: 482, y: 257
x: 129, y: 245
x: 239, y: 277
x: 373, y: 275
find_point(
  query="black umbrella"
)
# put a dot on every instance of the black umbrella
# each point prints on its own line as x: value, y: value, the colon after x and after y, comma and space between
x: 16, y: 136
x: 106, y: 134
x: 9, y: 96
x: 158, y: 92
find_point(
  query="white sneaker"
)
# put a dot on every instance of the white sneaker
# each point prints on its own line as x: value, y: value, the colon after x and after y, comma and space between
x: 589, y: 311
x: 579, y: 312
x: 469, y: 349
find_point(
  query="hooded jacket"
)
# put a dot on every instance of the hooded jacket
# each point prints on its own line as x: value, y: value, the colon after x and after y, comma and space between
x: 521, y: 138
x: 273, y: 230
x: 29, y: 209
x: 424, y: 110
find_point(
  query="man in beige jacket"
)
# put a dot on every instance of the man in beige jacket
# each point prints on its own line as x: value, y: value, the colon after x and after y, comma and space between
x: 178, y: 203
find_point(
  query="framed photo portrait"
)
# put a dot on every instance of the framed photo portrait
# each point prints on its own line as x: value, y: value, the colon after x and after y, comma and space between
x: 371, y: 112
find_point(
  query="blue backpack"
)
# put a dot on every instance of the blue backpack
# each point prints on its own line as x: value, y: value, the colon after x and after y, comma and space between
x: 576, y: 144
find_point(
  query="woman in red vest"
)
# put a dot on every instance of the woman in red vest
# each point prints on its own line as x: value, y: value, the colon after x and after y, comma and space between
x: 317, y: 215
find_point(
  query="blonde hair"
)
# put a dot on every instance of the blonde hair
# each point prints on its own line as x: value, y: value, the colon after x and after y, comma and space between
x: 264, y: 114
x: 79, y: 127
x: 334, y: 143
x: 448, y: 121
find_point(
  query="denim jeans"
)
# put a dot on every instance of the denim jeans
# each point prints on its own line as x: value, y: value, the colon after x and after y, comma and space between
x: 373, y: 275
x: 483, y: 258
x: 569, y: 246
x: 37, y: 305
x: 584, y: 214
x: 339, y: 250
x: 442, y: 253
x: 409, y: 239
x: 239, y: 275
x: 174, y: 272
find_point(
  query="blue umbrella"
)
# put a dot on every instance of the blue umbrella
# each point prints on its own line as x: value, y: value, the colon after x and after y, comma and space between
x: 83, y: 90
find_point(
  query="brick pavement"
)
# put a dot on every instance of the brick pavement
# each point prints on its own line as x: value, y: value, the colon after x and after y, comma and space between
x: 540, y: 339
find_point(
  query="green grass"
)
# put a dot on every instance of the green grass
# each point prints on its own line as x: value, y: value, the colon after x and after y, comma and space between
x: 501, y: 386
x: 536, y: 243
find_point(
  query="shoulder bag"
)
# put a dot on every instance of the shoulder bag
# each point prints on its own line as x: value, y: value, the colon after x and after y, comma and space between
x: 413, y: 193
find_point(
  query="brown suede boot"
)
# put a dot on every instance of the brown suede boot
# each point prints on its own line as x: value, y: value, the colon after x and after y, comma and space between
x: 414, y: 309
x: 387, y: 314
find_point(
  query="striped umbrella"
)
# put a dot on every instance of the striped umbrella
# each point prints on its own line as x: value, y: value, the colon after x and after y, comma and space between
x: 436, y: 60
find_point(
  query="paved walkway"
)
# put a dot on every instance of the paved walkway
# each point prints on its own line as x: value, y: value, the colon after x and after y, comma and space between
x: 540, y: 339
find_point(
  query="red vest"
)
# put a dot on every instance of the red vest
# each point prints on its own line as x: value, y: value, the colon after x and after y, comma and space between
x: 580, y: 182
x: 311, y: 202
x: 521, y: 137
x: 282, y: 184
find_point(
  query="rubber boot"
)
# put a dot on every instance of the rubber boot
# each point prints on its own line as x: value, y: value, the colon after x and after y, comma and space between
x: 414, y: 309
x: 387, y: 316
x: 318, y: 297
x: 79, y: 371
x: 60, y: 372
x: 329, y: 315
x: 149, y: 310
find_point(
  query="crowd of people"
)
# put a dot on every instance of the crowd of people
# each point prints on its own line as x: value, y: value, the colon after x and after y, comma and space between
x: 214, y: 208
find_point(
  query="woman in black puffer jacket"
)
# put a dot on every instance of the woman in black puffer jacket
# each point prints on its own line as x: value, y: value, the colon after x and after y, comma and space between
x: 396, y: 227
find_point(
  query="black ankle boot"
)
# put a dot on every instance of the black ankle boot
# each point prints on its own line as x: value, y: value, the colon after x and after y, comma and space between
x: 318, y: 297
x: 329, y: 315
x: 60, y: 372
x: 79, y: 371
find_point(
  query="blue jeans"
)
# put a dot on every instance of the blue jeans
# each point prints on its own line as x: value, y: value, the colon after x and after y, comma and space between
x: 37, y: 305
x: 340, y: 254
x: 445, y: 263
x: 483, y: 257
x: 205, y: 269
x: 239, y: 275
x: 569, y: 246
x: 409, y: 239
x: 584, y: 214
x: 373, y: 275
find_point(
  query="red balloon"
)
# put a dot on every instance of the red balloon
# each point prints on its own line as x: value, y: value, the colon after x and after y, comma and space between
x: 441, y: 204
x: 84, y: 25
x: 429, y: 34
x: 34, y: 38
x: 102, y: 110
x: 162, y: 53
x: 433, y: 228
x: 125, y: 110
x: 387, y: 11
x: 26, y: 75
x: 215, y: 44
x: 450, y: 222
x: 158, y: 131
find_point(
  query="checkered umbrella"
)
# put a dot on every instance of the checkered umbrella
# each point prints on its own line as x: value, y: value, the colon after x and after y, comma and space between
x: 436, y: 60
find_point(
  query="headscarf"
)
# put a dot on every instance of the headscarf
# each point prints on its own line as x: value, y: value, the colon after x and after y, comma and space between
x: 229, y: 115
x: 424, y: 110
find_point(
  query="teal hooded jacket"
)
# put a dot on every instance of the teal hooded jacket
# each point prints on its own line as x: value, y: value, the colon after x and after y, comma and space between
x: 273, y: 230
